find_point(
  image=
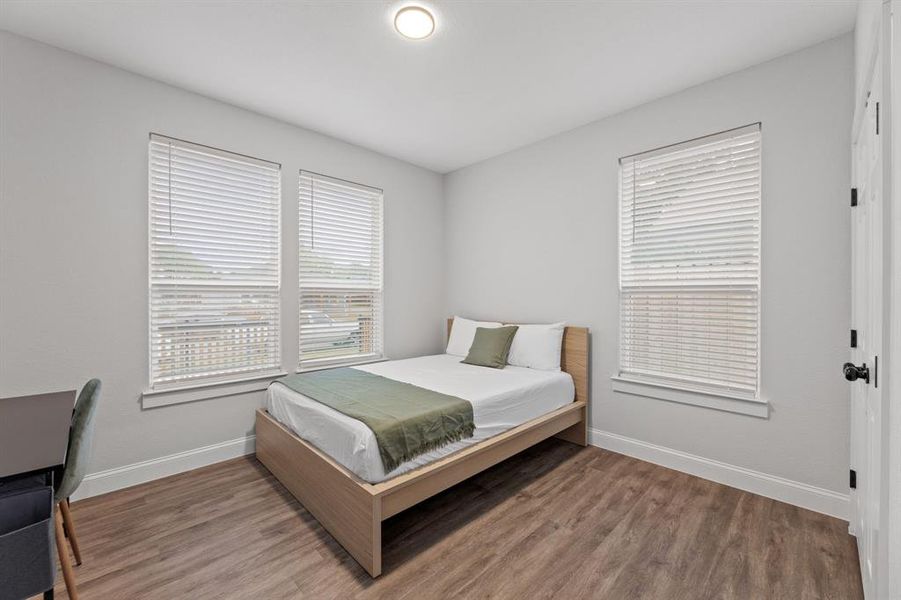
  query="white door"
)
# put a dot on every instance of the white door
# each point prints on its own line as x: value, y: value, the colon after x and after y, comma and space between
x: 867, y: 288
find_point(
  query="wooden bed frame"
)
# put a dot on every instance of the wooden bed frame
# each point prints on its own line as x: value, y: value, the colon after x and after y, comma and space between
x: 352, y: 510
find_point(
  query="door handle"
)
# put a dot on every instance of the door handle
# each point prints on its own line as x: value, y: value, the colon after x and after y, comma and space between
x: 853, y: 372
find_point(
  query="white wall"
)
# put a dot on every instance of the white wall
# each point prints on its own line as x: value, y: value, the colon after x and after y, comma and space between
x: 531, y: 236
x: 73, y: 239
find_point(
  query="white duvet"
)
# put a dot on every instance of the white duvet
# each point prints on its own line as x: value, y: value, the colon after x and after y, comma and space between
x: 501, y: 399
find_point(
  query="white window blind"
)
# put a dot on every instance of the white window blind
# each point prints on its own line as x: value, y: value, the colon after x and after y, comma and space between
x: 214, y: 264
x: 340, y: 271
x: 690, y: 264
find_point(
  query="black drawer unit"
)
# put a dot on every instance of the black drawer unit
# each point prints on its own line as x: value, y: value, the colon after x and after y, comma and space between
x: 27, y: 556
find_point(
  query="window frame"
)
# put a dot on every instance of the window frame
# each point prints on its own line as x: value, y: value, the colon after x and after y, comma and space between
x: 161, y: 393
x: 379, y: 311
x: 676, y: 390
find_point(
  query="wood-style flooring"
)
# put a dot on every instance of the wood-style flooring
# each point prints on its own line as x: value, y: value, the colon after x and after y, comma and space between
x: 557, y: 521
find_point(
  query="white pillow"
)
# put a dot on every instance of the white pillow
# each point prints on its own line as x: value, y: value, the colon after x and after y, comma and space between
x: 537, y: 347
x: 463, y: 331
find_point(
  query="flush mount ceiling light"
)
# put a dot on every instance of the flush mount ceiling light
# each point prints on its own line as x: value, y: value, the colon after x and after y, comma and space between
x: 414, y: 22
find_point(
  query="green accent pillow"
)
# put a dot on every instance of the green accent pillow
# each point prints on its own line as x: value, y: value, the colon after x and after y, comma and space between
x: 491, y: 346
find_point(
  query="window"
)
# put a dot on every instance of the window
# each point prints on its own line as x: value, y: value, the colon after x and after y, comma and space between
x: 340, y: 271
x: 214, y: 264
x: 690, y: 265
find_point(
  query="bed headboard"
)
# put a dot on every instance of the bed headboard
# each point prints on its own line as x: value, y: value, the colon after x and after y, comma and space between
x: 573, y: 357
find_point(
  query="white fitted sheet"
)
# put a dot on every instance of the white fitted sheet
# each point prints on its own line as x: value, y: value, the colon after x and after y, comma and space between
x: 501, y: 399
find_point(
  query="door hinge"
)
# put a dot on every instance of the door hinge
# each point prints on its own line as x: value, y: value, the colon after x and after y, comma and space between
x: 853, y: 481
x: 853, y: 196
x: 877, y: 118
x: 854, y: 338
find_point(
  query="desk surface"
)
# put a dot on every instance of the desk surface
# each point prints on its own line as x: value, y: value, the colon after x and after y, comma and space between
x: 34, y: 431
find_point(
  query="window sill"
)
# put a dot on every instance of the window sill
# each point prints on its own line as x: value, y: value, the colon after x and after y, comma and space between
x: 733, y: 404
x: 335, y: 365
x: 204, y: 391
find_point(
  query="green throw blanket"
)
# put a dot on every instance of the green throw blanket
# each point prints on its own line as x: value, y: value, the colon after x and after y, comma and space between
x: 407, y: 420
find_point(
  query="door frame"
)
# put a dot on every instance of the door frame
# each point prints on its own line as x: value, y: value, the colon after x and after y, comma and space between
x: 891, y: 50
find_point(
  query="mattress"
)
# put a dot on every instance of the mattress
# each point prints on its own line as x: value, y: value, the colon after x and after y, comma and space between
x: 501, y: 399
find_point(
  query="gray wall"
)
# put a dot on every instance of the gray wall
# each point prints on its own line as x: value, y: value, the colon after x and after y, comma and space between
x: 73, y: 239
x: 531, y: 236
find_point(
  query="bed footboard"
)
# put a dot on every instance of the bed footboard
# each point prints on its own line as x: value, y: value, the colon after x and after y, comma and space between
x: 352, y: 510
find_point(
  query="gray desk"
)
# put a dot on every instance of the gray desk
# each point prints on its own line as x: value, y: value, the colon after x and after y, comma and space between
x: 34, y: 432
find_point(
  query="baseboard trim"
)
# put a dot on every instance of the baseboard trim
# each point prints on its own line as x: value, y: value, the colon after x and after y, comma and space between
x: 785, y: 490
x: 119, y: 478
x: 800, y: 494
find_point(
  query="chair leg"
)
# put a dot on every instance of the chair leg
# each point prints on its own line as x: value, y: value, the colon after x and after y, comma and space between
x: 70, y: 529
x: 63, y: 550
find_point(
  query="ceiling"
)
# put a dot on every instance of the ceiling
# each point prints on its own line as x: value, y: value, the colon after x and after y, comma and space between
x: 496, y: 75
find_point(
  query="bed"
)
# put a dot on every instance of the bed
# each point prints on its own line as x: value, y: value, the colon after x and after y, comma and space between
x: 330, y: 463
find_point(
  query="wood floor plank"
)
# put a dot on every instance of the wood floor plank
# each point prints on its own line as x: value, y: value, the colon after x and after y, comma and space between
x: 557, y: 520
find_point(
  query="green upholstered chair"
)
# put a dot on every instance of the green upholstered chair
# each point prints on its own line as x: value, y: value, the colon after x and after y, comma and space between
x: 81, y: 438
x: 78, y: 455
